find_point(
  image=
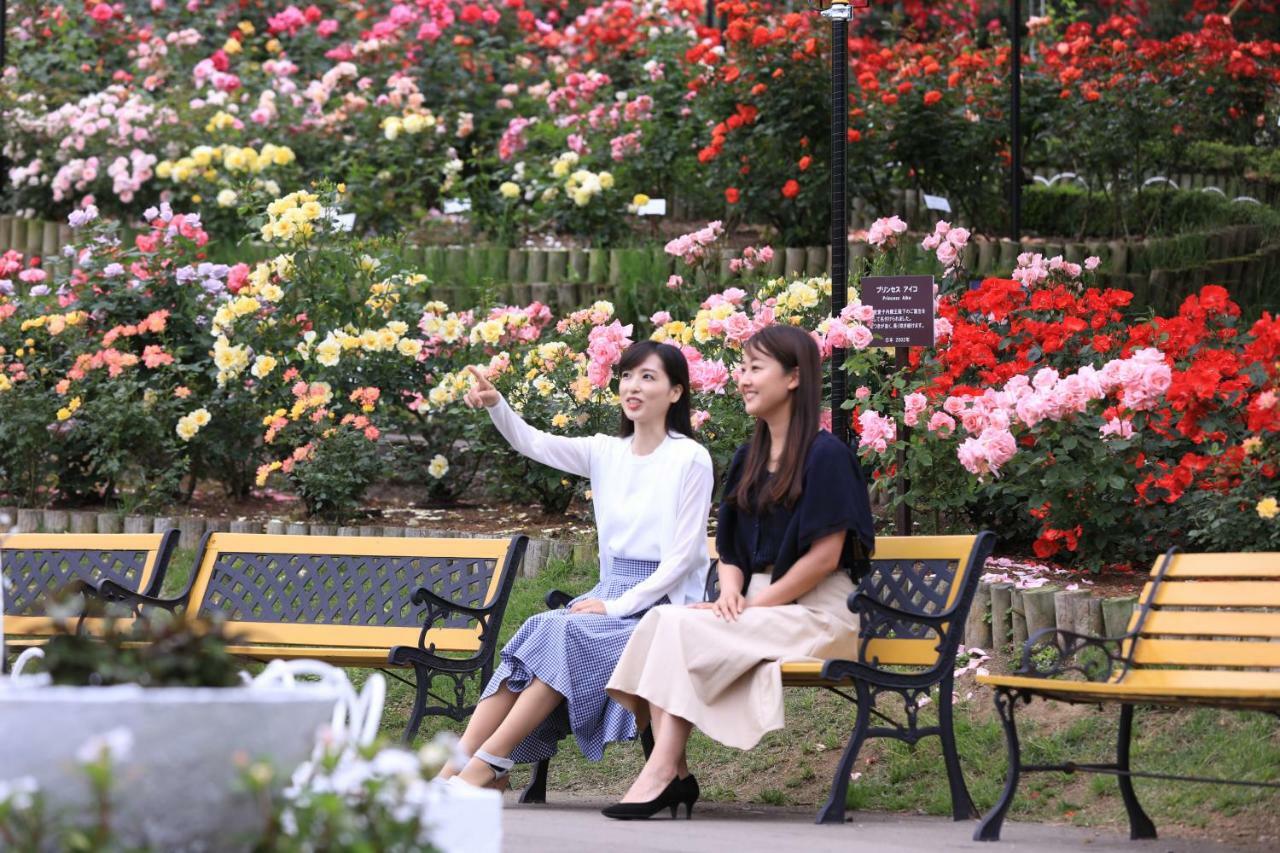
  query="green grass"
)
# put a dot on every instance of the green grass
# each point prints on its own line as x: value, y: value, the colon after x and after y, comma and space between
x: 794, y: 767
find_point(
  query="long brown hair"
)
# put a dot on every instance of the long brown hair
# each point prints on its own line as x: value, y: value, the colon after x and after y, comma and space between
x: 794, y: 349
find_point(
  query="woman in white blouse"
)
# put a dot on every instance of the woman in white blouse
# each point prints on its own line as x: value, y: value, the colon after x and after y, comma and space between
x: 651, y: 491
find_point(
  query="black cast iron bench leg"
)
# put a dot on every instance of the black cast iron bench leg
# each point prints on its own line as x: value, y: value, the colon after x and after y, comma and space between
x: 962, y: 807
x: 833, y: 810
x: 536, y: 790
x: 422, y: 684
x: 1140, y: 826
x: 989, y: 828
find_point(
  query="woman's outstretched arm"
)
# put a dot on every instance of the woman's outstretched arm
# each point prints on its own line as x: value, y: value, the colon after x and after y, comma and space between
x: 571, y: 455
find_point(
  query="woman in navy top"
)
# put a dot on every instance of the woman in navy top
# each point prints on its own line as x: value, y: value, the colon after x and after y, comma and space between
x: 795, y: 530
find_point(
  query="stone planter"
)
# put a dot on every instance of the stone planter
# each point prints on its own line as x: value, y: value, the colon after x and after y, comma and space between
x: 178, y: 788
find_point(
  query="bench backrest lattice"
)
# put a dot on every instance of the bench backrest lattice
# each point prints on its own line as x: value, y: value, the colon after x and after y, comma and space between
x: 40, y: 565
x: 924, y: 575
x: 349, y: 591
x: 920, y: 575
x: 1219, y: 613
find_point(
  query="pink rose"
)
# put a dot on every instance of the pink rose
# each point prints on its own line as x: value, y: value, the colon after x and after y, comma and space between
x: 860, y: 337
x: 942, y: 423
x: 738, y: 327
x: 708, y: 376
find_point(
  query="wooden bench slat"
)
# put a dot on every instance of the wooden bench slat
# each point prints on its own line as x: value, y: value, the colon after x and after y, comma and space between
x: 359, y: 546
x: 1155, y: 684
x: 1253, y: 565
x: 342, y: 655
x: 1223, y: 571
x: 1259, y: 654
x: 43, y: 626
x: 1241, y: 593
x: 1210, y: 624
x: 351, y: 636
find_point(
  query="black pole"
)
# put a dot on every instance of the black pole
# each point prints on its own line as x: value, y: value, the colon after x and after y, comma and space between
x: 1015, y: 122
x: 4, y: 35
x: 839, y: 14
x: 902, y: 516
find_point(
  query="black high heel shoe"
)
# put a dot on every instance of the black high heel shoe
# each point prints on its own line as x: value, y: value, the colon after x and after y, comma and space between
x: 671, y: 797
x: 688, y: 795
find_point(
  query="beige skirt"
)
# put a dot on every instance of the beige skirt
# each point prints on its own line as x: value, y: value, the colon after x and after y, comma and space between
x: 726, y: 677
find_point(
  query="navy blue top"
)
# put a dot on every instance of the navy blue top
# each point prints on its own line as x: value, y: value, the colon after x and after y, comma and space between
x: 833, y: 498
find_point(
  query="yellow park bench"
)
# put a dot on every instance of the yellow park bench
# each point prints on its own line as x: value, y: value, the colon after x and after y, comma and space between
x: 38, y: 567
x: 1204, y: 632
x: 912, y: 604
x: 435, y: 605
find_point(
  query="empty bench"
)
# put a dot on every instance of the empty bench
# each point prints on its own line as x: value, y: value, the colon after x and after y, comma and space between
x: 912, y: 604
x: 1204, y: 632
x: 433, y: 605
x: 40, y: 567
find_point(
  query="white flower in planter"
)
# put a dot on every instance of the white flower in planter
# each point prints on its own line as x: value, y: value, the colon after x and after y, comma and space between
x: 114, y: 746
x: 18, y: 793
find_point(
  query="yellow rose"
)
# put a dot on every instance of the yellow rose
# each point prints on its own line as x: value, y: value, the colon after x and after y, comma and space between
x: 328, y: 352
x: 640, y: 200
x: 231, y: 47
x: 200, y: 417
x: 1268, y: 508
x: 409, y: 348
x: 439, y: 466
x: 509, y: 189
x: 226, y: 198
x: 263, y: 365
x: 560, y: 421
x: 606, y: 180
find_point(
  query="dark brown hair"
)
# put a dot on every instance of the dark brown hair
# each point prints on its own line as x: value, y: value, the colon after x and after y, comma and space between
x: 674, y: 365
x: 795, y: 350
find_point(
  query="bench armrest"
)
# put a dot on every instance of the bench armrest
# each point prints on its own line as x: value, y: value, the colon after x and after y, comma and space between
x: 423, y: 595
x: 557, y: 599
x: 114, y: 593
x: 872, y: 612
x: 438, y: 608
x: 1057, y: 651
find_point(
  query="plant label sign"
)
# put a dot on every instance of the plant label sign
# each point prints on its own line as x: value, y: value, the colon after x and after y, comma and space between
x: 903, y: 306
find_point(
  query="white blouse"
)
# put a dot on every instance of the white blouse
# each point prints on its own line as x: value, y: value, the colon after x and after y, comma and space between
x: 651, y: 507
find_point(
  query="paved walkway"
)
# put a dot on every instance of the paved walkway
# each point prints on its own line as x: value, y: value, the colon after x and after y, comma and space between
x: 570, y: 825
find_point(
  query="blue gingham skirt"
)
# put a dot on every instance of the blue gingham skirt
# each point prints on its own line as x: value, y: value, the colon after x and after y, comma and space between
x: 574, y: 654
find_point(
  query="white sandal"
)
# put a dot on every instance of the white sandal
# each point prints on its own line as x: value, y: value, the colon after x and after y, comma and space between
x: 501, y: 767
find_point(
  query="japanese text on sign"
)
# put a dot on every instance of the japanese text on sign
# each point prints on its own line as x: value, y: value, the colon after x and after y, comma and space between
x: 903, y: 306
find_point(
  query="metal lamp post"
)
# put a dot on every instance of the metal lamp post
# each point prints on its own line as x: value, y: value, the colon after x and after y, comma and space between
x: 839, y: 14
x: 1015, y: 121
